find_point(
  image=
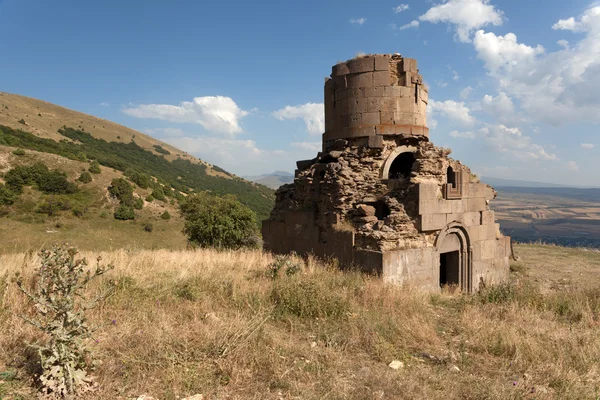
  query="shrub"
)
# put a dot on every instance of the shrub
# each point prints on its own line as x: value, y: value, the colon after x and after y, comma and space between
x: 138, y: 203
x: 85, y: 177
x: 60, y: 302
x: 124, y: 212
x: 165, y: 215
x: 22, y: 121
x: 149, y: 198
x: 161, y: 150
x: 38, y: 174
x: 212, y: 221
x: 148, y: 227
x: 285, y: 263
x: 139, y: 178
x: 19, y: 152
x: 121, y: 190
x: 7, y: 197
x: 95, y: 167
x: 52, y: 206
x: 158, y: 193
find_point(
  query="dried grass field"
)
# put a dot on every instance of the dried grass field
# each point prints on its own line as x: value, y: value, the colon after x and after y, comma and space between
x: 187, y: 322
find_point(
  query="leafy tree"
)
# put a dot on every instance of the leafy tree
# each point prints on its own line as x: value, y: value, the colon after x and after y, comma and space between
x: 7, y: 197
x: 85, y: 177
x: 158, y: 193
x: 38, y: 174
x: 149, y: 198
x: 95, y: 167
x: 138, y: 203
x: 124, y: 213
x: 221, y: 222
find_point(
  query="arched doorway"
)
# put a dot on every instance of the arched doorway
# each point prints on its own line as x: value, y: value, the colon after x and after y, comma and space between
x: 399, y: 163
x: 455, y: 257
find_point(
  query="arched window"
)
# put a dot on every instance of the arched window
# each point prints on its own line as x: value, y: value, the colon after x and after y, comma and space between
x: 402, y: 166
x: 451, y: 177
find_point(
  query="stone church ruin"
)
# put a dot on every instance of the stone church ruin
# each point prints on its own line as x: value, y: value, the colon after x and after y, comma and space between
x: 381, y: 196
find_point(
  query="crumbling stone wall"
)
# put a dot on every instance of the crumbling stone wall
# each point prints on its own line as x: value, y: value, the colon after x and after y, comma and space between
x: 350, y: 203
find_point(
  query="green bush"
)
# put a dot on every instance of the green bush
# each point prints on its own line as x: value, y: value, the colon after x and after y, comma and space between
x: 222, y: 222
x: 161, y: 150
x: 7, y: 197
x: 138, y: 203
x: 165, y: 215
x: 39, y: 175
x: 85, y: 177
x: 158, y: 193
x: 124, y: 213
x: 19, y: 152
x: 121, y: 190
x: 148, y: 227
x: 149, y: 198
x: 95, y: 167
x: 51, y: 206
x: 139, y: 178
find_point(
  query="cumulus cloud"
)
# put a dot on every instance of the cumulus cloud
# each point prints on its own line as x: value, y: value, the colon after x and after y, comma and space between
x: 104, y: 104
x: 584, y: 24
x: 400, y: 8
x: 412, y: 24
x: 310, y: 146
x: 313, y: 115
x: 358, y: 21
x: 164, y: 132
x: 500, y: 107
x: 462, y: 135
x: 552, y: 87
x: 587, y: 145
x: 218, y: 114
x: 465, y: 15
x: 453, y: 110
x: 512, y: 141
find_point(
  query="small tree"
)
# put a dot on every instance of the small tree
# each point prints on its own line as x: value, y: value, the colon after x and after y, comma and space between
x: 19, y: 152
x: 95, y: 167
x: 122, y: 190
x: 124, y: 213
x: 138, y: 203
x: 221, y: 222
x: 85, y: 177
x: 61, y: 305
x: 165, y: 215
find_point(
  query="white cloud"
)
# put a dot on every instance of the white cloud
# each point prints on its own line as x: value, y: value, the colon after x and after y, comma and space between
x: 563, y: 43
x: 412, y: 24
x: 441, y: 83
x: 512, y: 141
x: 466, y: 92
x: 358, y: 21
x: 585, y: 23
x: 455, y: 75
x: 572, y: 166
x: 104, y: 104
x: 217, y: 114
x: 500, y: 107
x: 587, y: 145
x: 466, y: 15
x: 312, y: 114
x: 455, y: 111
x: 400, y: 8
x: 310, y: 146
x: 164, y: 132
x: 553, y: 87
x: 462, y: 135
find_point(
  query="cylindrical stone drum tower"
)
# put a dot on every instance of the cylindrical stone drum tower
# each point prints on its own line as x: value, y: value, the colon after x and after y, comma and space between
x: 375, y: 95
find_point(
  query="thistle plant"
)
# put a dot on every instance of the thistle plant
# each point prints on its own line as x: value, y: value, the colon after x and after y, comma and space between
x: 60, y: 304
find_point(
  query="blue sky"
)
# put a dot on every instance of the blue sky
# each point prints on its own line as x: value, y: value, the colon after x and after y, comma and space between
x: 515, y: 85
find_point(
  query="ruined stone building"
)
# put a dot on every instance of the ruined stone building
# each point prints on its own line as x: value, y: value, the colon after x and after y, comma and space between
x: 381, y: 196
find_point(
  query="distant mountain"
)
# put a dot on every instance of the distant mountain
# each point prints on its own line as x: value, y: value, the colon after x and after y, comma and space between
x: 500, y: 182
x: 272, y: 180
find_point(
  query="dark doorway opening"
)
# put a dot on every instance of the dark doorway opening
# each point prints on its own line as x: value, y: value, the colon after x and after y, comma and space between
x: 382, y: 211
x: 449, y: 268
x: 402, y: 166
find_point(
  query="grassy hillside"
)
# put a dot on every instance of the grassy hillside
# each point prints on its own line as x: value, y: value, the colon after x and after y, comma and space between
x: 23, y: 225
x: 215, y: 323
x: 38, y: 125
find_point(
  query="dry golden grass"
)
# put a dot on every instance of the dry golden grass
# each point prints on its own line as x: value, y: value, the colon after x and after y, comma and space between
x: 211, y: 322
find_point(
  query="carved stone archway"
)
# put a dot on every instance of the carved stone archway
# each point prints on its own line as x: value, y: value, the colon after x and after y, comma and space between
x: 454, y: 237
x: 385, y: 170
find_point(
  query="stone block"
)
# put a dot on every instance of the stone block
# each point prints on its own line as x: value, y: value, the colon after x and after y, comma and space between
x: 392, y: 91
x: 349, y: 93
x: 370, y: 118
x: 375, y: 142
x: 487, y: 249
x: 429, y: 191
x: 369, y: 261
x: 458, y: 206
x: 304, y: 164
x: 340, y: 82
x: 487, y: 217
x: 372, y: 92
x: 432, y: 222
x: 365, y: 210
x: 475, y: 190
x: 340, y: 69
x: 305, y: 218
x: 381, y: 78
x: 382, y: 63
x: 489, y: 232
x: 409, y: 64
x: 470, y: 218
x: 389, y: 104
x: 452, y: 218
x: 360, y: 80
x: 354, y: 120
x: 476, y: 204
x: 489, y: 193
x: 374, y: 104
x: 434, y: 207
x: 359, y: 65
x: 387, y: 118
x: 500, y: 250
